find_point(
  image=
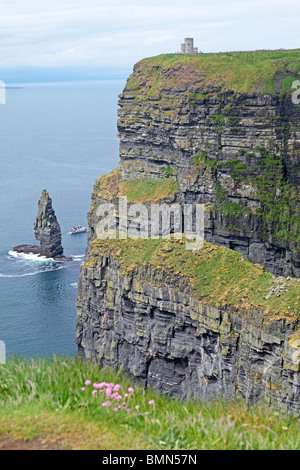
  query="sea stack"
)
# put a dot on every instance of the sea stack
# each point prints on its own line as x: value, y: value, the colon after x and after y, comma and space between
x: 47, y: 231
x: 46, y: 227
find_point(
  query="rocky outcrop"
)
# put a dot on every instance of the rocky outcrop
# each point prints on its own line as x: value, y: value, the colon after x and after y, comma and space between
x: 47, y: 231
x: 149, y: 321
x: 46, y: 227
x: 237, y: 151
x: 220, y: 131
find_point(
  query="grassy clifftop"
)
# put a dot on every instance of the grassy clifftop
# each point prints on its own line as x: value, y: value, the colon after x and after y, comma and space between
x: 242, y: 72
x: 219, y: 276
x: 140, y: 190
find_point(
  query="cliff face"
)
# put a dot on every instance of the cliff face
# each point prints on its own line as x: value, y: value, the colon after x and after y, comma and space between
x: 223, y: 131
x: 139, y: 307
x: 228, y: 144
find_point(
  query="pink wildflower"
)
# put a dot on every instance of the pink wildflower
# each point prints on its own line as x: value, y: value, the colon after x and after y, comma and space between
x: 88, y: 382
x: 94, y: 392
x: 116, y: 396
x: 151, y: 402
x: 116, y: 388
x: 82, y: 389
x: 106, y: 403
x: 130, y: 390
x: 137, y: 407
x: 126, y: 395
x: 98, y: 386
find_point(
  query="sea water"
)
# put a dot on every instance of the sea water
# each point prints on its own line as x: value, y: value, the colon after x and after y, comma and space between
x: 59, y: 137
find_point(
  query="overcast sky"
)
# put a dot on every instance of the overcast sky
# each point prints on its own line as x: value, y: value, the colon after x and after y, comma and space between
x: 114, y: 34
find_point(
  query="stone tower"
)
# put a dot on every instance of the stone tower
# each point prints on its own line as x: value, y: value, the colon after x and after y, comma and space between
x: 188, y: 47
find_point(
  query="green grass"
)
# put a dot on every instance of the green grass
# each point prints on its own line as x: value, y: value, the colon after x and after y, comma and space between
x: 139, y: 190
x: 148, y: 189
x: 218, y: 276
x: 234, y: 209
x: 43, y: 398
x: 279, y: 212
x: 242, y: 72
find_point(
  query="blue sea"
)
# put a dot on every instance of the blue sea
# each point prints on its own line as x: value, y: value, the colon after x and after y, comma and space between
x: 61, y: 137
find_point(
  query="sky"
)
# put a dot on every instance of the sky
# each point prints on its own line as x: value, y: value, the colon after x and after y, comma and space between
x: 90, y: 39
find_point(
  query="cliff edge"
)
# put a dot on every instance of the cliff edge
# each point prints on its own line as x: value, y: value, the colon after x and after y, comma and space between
x: 220, y: 131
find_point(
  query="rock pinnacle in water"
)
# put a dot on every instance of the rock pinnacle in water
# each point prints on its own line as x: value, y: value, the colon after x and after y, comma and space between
x: 46, y: 227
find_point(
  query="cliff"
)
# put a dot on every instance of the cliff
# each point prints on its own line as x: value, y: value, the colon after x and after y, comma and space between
x: 225, y: 127
x: 220, y: 130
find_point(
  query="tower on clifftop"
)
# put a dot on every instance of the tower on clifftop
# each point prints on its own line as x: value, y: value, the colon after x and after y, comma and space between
x: 188, y: 47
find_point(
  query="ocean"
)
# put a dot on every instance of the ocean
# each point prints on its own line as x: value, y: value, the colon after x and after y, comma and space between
x: 61, y: 137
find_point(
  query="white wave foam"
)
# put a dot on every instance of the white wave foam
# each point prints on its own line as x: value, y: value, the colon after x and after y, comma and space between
x: 30, y: 257
x: 30, y: 274
x: 74, y: 284
x: 77, y: 257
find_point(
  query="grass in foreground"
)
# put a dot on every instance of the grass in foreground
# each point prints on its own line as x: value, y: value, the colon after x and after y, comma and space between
x: 43, y: 398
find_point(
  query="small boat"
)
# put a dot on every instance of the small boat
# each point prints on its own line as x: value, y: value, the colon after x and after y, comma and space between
x: 78, y: 229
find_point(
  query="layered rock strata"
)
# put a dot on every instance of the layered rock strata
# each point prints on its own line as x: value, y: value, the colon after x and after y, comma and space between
x: 228, y: 145
x: 221, y: 131
x: 162, y: 328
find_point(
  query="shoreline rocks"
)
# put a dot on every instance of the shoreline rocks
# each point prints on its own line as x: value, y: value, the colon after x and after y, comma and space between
x: 36, y: 250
